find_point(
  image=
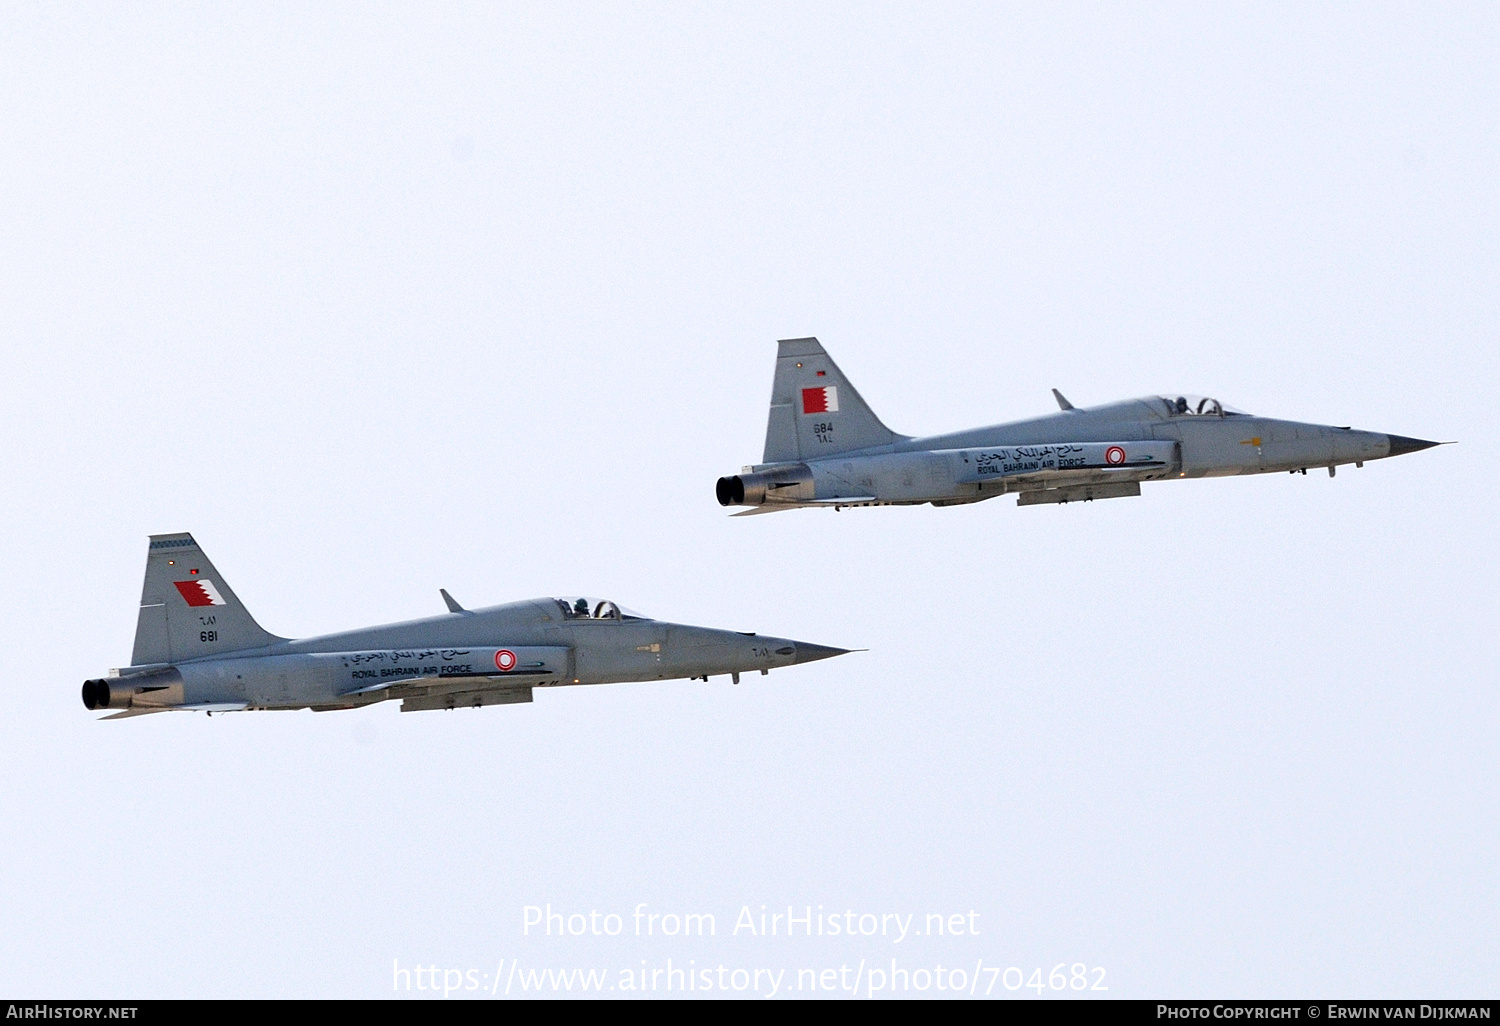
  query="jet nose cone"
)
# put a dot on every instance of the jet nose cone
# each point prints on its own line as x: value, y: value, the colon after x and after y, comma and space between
x: 1401, y: 445
x: 807, y: 653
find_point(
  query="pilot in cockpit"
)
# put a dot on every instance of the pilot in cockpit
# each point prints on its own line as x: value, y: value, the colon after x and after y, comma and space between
x: 581, y: 607
x: 1181, y: 404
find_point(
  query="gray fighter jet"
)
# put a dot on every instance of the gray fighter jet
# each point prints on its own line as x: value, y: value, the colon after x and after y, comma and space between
x: 825, y: 447
x: 198, y: 649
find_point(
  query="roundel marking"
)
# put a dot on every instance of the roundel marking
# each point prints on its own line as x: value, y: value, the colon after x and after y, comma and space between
x: 1114, y: 455
x: 505, y: 660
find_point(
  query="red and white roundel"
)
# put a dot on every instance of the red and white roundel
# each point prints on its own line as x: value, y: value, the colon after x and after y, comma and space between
x: 1114, y: 455
x: 505, y: 660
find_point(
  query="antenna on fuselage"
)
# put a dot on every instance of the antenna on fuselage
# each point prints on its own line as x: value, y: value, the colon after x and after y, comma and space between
x: 453, y: 607
x: 1062, y: 401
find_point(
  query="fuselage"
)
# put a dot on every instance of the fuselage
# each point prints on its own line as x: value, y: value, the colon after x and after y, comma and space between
x: 1210, y: 445
x: 1077, y: 452
x: 475, y: 657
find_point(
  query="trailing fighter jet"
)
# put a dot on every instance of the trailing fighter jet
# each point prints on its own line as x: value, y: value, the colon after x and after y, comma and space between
x: 825, y: 447
x: 198, y: 649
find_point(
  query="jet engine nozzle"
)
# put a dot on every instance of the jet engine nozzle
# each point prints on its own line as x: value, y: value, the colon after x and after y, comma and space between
x: 154, y: 687
x: 782, y: 484
x: 730, y: 490
x: 98, y: 694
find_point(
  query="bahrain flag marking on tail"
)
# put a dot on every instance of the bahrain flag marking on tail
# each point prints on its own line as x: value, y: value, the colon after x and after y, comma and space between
x: 820, y: 400
x: 200, y: 592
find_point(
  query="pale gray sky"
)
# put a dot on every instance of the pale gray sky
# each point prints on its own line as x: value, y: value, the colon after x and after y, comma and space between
x: 381, y: 300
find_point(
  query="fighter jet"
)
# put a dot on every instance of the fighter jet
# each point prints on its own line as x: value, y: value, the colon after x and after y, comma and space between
x: 826, y: 448
x: 198, y: 649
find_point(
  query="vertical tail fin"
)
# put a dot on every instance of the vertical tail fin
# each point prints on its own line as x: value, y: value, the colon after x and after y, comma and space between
x: 815, y: 411
x: 187, y: 609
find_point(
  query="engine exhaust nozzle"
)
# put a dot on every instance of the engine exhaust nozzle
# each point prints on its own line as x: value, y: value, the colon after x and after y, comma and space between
x: 730, y: 491
x: 97, y: 694
x: 783, y: 484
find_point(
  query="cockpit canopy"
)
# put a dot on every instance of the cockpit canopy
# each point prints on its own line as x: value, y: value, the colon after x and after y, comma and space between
x: 578, y: 607
x: 1184, y: 405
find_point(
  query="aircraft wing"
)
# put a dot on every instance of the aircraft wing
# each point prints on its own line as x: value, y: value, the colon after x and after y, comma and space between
x: 528, y: 665
x: 463, y: 681
x: 1065, y: 460
x: 462, y: 691
x: 898, y: 478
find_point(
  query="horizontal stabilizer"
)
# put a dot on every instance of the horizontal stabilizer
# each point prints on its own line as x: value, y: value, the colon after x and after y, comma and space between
x: 134, y: 712
x: 205, y: 707
x: 774, y: 507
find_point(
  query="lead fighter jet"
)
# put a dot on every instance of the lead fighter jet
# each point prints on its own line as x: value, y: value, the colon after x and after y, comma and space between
x: 198, y: 649
x: 825, y: 447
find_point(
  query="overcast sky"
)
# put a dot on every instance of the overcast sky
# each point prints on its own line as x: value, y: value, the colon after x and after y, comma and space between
x: 377, y: 300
